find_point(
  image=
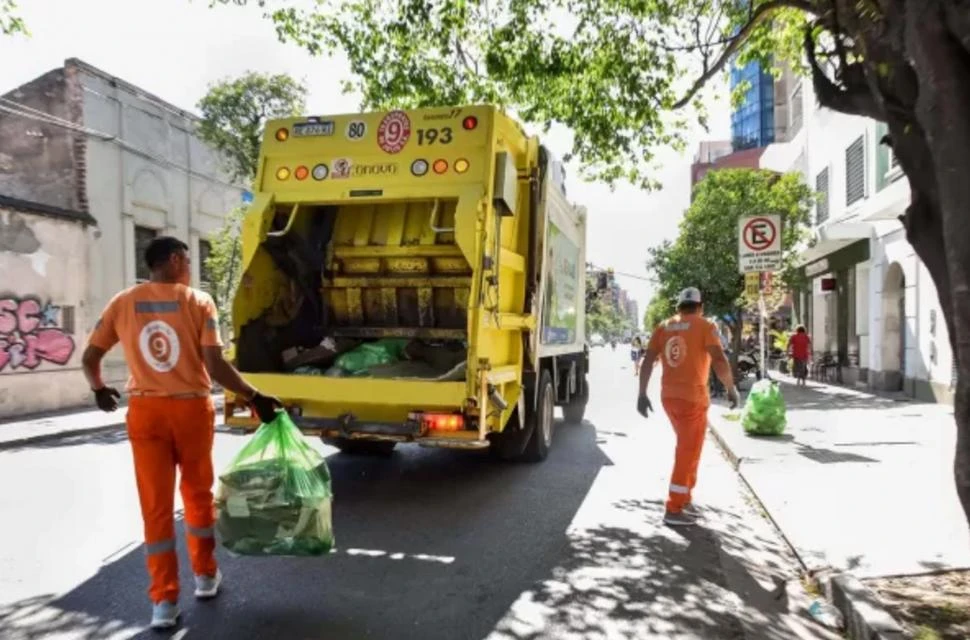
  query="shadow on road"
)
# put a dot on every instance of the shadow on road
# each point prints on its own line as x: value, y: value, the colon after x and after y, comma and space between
x: 106, y: 436
x: 636, y: 581
x: 431, y: 544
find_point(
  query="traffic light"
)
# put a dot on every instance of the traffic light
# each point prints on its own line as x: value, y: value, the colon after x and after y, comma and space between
x: 601, y: 281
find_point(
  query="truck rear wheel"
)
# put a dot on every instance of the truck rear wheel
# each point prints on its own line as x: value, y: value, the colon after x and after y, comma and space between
x: 362, y: 447
x: 575, y: 409
x: 538, y: 447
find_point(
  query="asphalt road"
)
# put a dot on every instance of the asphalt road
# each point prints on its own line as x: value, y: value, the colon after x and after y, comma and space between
x: 431, y: 544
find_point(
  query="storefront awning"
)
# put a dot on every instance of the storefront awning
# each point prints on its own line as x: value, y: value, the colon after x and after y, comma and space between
x: 834, y: 237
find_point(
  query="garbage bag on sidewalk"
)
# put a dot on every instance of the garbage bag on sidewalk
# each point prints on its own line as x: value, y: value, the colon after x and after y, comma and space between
x: 764, y: 410
x: 275, y: 496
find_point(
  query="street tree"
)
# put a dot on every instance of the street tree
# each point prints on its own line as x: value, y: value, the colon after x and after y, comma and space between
x: 234, y: 114
x: 224, y: 265
x: 705, y: 252
x: 660, y: 307
x: 235, y: 111
x: 10, y: 22
x: 613, y: 71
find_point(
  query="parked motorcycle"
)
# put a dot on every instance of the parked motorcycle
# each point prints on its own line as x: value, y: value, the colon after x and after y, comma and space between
x: 748, y: 364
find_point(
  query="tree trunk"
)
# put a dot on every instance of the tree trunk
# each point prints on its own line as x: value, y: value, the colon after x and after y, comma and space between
x: 942, y: 64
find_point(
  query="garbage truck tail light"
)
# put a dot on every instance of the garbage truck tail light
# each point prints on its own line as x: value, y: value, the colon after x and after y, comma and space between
x: 443, y: 421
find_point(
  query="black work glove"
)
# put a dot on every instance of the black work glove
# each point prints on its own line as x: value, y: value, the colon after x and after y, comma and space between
x: 107, y: 398
x: 644, y: 406
x: 266, y: 406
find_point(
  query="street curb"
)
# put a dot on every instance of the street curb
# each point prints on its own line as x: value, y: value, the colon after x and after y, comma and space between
x: 27, y: 441
x: 865, y: 617
x: 732, y: 457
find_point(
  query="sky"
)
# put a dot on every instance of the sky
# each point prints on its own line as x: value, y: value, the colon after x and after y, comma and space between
x: 176, y: 48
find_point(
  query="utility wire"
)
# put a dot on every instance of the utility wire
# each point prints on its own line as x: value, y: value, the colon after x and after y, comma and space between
x: 621, y: 273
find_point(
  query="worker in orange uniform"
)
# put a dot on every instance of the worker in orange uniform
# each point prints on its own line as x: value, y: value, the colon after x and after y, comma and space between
x: 169, y: 333
x: 688, y: 345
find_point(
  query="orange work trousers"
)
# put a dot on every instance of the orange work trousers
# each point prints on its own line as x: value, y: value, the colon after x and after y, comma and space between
x: 689, y: 420
x: 168, y: 433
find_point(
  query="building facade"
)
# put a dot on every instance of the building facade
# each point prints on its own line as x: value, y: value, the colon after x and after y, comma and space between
x: 78, y: 139
x: 44, y: 259
x: 869, y: 304
x: 753, y: 120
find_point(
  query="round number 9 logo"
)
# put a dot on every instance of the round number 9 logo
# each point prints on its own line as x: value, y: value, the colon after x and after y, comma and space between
x: 159, y: 345
x: 675, y: 350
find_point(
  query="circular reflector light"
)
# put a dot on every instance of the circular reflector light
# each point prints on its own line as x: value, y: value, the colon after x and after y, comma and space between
x: 320, y: 172
x: 461, y: 165
x: 282, y: 134
x: 301, y: 173
x: 469, y: 123
x: 419, y: 167
x: 282, y: 173
x: 440, y: 166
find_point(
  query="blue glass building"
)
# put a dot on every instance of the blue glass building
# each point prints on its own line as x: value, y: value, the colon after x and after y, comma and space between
x: 753, y: 121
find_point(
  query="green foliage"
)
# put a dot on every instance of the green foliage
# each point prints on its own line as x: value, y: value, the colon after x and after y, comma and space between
x: 10, y: 22
x: 705, y: 253
x: 613, y: 71
x: 660, y: 308
x: 234, y: 113
x: 224, y: 265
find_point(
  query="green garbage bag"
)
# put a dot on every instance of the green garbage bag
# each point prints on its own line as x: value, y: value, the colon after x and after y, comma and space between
x: 275, y: 497
x: 764, y: 410
x: 359, y: 360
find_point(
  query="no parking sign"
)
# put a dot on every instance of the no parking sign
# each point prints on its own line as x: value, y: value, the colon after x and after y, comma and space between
x: 759, y: 243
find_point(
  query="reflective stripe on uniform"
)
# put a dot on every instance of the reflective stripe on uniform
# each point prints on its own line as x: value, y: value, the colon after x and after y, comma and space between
x: 200, y: 532
x: 156, y: 306
x: 678, y: 488
x: 210, y: 324
x: 162, y: 546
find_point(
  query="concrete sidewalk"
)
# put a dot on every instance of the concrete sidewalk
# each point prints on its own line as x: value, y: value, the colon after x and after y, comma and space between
x: 858, y: 482
x: 59, y: 424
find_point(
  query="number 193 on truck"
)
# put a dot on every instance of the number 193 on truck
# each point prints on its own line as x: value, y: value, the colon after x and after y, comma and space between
x: 413, y: 276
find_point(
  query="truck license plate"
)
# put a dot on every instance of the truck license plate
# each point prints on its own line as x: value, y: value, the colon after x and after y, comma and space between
x: 304, y: 129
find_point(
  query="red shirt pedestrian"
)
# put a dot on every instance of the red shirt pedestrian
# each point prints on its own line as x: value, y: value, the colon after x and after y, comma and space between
x: 801, y: 346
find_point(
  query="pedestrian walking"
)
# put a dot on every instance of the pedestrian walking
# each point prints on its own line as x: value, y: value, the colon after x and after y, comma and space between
x: 800, y: 350
x: 169, y: 334
x: 636, y: 351
x: 688, y: 345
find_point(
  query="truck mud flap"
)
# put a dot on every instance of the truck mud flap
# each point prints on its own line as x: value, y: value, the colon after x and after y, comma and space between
x: 512, y: 441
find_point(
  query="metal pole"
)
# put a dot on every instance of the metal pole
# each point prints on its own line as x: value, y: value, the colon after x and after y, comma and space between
x: 764, y: 335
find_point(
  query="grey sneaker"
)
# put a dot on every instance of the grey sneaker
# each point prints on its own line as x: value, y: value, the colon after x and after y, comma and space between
x: 681, y: 519
x: 165, y: 615
x: 692, y: 510
x: 208, y: 586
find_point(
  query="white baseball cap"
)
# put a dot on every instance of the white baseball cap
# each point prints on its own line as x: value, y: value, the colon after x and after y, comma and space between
x: 689, y: 295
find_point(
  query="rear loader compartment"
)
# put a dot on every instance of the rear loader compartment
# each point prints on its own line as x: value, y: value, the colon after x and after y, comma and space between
x: 394, y: 289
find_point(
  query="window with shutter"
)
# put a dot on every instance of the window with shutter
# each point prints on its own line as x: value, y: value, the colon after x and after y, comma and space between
x: 143, y: 236
x: 796, y: 110
x: 822, y: 195
x: 855, y: 171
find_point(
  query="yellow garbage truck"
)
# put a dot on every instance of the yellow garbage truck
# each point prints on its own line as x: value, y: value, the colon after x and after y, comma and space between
x: 413, y: 276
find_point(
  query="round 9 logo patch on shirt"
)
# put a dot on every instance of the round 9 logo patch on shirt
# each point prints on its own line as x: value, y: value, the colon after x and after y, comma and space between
x: 159, y: 345
x: 675, y: 350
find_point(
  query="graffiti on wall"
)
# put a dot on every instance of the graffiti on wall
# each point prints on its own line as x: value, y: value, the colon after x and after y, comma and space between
x: 30, y: 334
